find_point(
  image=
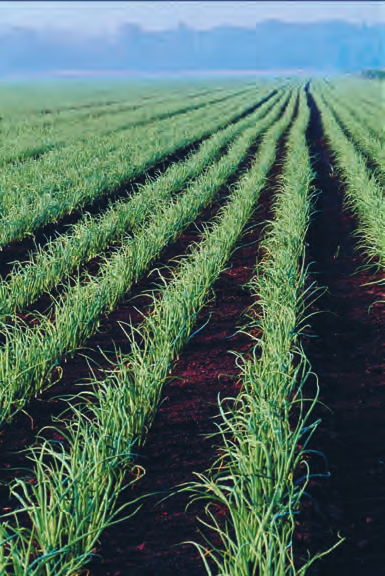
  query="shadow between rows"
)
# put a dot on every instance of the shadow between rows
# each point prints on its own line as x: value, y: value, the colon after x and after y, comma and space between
x: 345, y: 348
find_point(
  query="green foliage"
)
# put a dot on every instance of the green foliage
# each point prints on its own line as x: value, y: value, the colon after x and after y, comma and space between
x: 42, y: 133
x: 30, y: 354
x: 44, y: 190
x: 92, y: 235
x: 363, y: 192
x: 353, y: 124
x: 76, y: 489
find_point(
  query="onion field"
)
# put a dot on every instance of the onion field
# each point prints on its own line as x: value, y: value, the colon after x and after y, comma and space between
x: 192, y: 300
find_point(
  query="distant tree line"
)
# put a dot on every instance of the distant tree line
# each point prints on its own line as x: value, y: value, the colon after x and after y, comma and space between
x: 374, y: 74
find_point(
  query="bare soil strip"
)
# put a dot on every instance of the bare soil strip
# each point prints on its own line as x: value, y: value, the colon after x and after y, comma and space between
x: 347, y: 353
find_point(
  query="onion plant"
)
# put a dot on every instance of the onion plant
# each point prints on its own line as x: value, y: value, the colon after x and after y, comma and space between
x: 72, y: 177
x: 104, y: 122
x: 64, y: 119
x: 356, y: 97
x: 354, y: 127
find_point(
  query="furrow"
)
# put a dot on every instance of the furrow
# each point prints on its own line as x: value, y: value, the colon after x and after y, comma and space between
x: 344, y: 347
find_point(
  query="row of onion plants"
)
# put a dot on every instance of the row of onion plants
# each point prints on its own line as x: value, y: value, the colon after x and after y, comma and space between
x: 366, y: 104
x: 261, y: 473
x: 60, y: 116
x: 45, y: 190
x: 363, y: 193
x: 91, y: 235
x: 100, y: 146
x: 29, y: 355
x: 39, y: 106
x: 37, y: 143
x: 41, y: 134
x: 354, y: 127
x: 74, y: 492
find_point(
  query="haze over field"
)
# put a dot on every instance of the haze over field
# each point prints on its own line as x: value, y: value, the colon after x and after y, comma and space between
x: 143, y: 37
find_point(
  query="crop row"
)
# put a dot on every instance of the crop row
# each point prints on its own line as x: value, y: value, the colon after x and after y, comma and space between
x: 45, y: 190
x: 353, y: 126
x: 354, y: 96
x: 24, y: 112
x: 261, y: 474
x: 75, y: 150
x: 77, y: 485
x: 363, y: 192
x: 52, y: 117
x: 45, y: 101
x: 32, y: 145
x: 92, y: 235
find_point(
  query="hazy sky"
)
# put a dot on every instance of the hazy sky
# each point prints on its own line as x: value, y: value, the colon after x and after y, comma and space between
x: 94, y: 17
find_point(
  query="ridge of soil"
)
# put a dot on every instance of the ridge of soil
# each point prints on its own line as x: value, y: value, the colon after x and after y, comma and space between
x: 346, y: 349
x: 20, y: 250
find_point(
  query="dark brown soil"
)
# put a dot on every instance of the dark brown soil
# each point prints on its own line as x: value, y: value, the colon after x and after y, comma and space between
x: 347, y: 353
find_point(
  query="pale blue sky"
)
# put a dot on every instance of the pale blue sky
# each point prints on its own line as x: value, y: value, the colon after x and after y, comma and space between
x: 95, y: 17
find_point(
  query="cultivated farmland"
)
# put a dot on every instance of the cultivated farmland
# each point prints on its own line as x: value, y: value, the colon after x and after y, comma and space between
x: 191, y: 328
